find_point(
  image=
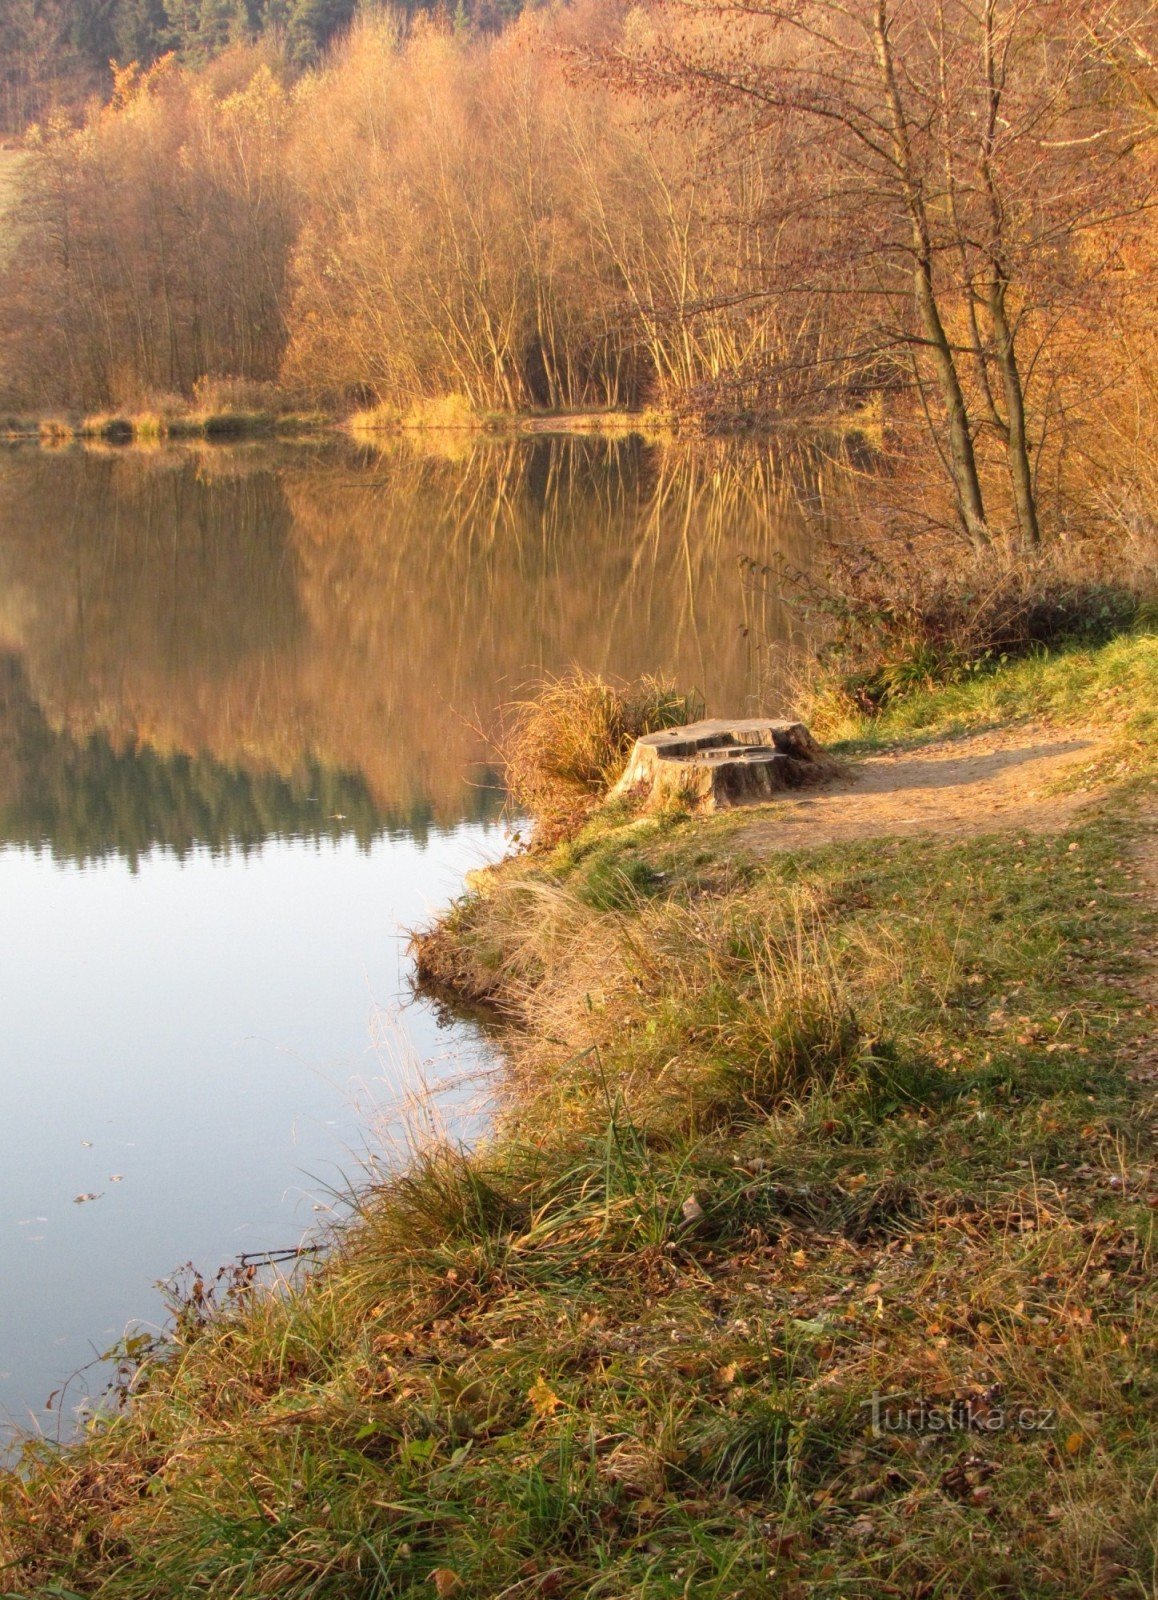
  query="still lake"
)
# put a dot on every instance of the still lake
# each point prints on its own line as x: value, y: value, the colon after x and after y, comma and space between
x: 245, y: 697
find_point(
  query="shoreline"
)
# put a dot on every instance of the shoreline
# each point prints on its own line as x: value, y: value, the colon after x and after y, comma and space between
x: 793, y: 1125
x: 124, y: 431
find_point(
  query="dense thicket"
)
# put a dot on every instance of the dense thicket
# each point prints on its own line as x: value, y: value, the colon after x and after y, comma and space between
x: 729, y: 210
x: 153, y: 245
x: 482, y: 219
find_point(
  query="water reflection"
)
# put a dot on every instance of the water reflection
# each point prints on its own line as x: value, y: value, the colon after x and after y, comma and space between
x: 245, y: 704
x: 206, y: 1048
x: 218, y: 645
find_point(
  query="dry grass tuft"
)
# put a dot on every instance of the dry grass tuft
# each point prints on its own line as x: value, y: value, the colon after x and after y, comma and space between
x: 150, y: 427
x: 447, y: 411
x: 563, y: 749
x: 450, y: 412
x: 55, y: 430
x: 373, y: 419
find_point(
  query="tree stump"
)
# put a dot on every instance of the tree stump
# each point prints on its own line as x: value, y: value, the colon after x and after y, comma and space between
x: 716, y: 764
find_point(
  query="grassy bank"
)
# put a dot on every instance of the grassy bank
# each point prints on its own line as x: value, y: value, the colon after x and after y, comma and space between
x: 151, y: 427
x: 451, y: 415
x: 147, y: 427
x: 1112, y: 687
x: 785, y: 1131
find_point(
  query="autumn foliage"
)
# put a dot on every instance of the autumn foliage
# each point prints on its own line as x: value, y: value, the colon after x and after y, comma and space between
x: 929, y: 221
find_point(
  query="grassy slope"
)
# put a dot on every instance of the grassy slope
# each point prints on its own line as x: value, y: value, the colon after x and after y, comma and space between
x: 787, y: 1132
x: 1114, y: 684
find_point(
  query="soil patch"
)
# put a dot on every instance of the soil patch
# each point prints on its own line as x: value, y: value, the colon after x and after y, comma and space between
x: 1028, y: 779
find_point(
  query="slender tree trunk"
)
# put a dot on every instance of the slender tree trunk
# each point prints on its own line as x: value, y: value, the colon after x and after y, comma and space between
x: 964, y: 462
x: 1020, y: 470
x: 967, y: 483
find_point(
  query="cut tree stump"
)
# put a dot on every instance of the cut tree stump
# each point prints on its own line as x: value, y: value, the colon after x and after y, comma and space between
x: 716, y: 764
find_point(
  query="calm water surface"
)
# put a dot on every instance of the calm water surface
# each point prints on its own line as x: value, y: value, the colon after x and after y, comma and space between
x: 244, y: 700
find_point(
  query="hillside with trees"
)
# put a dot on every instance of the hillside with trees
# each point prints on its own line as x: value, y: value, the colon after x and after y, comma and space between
x: 731, y: 214
x: 56, y: 54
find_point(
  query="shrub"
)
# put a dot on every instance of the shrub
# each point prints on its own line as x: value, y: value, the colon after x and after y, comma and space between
x: 215, y: 395
x: 895, y: 623
x: 447, y: 411
x: 564, y: 749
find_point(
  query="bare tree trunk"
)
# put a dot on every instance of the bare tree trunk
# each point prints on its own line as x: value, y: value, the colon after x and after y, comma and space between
x: 1020, y: 470
x: 970, y: 502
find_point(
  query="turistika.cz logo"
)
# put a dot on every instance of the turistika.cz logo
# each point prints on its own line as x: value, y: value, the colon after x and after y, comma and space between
x: 899, y: 1413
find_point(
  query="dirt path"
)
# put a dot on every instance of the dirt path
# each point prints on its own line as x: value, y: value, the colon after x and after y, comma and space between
x: 964, y: 786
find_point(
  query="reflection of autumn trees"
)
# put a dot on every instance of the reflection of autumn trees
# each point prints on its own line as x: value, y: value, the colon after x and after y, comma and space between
x: 366, y: 614
x: 87, y: 798
x: 449, y: 587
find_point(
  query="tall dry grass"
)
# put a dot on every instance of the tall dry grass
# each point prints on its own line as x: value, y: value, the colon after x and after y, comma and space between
x: 565, y: 747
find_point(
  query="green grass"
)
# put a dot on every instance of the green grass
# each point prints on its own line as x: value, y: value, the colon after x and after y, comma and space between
x: 1115, y: 684
x: 782, y: 1134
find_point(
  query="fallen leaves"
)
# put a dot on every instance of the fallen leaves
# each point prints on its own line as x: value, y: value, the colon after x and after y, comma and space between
x: 544, y: 1401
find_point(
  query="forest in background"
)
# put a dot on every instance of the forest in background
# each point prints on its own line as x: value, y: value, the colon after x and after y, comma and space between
x: 59, y: 54
x: 931, y: 218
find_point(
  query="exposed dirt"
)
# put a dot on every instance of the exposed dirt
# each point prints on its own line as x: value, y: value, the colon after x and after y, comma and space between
x: 978, y: 784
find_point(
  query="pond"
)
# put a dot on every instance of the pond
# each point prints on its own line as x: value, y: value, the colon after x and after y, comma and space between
x: 246, y: 700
